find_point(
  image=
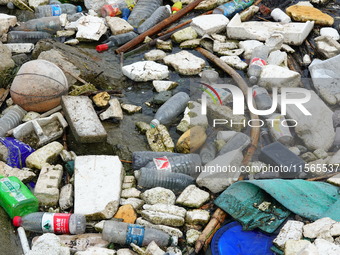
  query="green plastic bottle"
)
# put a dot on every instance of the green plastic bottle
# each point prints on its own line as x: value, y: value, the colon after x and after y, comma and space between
x: 16, y: 198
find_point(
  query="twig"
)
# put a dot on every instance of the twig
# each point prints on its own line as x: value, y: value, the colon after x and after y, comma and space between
x: 322, y: 177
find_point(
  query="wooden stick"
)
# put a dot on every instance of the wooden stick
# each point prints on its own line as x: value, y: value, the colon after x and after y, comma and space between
x: 182, y: 24
x: 255, y: 131
x: 214, y: 224
x: 322, y: 177
x: 158, y: 27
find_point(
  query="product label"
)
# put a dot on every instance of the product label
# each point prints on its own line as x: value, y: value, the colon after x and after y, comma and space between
x: 162, y: 163
x: 12, y: 188
x: 56, y: 10
x: 55, y: 223
x: 258, y: 62
x: 135, y: 234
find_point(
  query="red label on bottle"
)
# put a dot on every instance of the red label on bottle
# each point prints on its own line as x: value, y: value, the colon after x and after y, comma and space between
x: 61, y: 223
x: 258, y: 62
x: 162, y: 163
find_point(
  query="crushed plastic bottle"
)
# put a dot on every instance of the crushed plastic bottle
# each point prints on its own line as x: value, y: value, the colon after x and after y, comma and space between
x: 116, y: 40
x: 258, y: 60
x: 14, y: 152
x: 238, y: 142
x: 185, y: 164
x: 58, y: 223
x: 16, y: 198
x: 233, y: 7
x: 143, y: 10
x: 176, y: 182
x: 46, y: 24
x: 173, y: 107
x: 125, y: 234
x: 56, y: 10
x: 27, y: 36
x: 160, y: 14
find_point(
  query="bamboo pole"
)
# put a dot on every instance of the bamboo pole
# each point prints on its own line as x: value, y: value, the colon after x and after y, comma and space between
x: 158, y: 27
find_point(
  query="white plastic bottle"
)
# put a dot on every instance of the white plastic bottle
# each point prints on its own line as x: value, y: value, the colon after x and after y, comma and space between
x: 173, y: 107
x: 58, y: 223
x: 124, y: 234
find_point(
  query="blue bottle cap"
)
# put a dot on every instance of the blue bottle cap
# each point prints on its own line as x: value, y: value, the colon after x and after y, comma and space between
x: 79, y: 9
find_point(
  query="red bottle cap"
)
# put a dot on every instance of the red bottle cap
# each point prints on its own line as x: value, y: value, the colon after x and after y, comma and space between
x: 102, y: 47
x: 17, y: 220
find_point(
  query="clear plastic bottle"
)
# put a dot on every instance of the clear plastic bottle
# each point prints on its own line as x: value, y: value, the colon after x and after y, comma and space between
x: 262, y: 98
x: 26, y: 36
x: 258, y: 60
x: 116, y: 40
x: 233, y: 7
x: 238, y: 142
x: 278, y: 131
x: 173, y: 107
x: 46, y: 24
x: 58, y: 223
x: 56, y: 10
x: 185, y: 164
x: 124, y: 233
x: 141, y: 158
x: 143, y: 10
x: 11, y: 119
x: 208, y: 152
x: 336, y: 143
x: 152, y: 178
x: 160, y: 14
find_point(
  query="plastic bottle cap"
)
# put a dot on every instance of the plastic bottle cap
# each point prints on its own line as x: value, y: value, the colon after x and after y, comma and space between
x: 102, y: 47
x: 79, y: 9
x: 17, y: 221
x: 154, y: 123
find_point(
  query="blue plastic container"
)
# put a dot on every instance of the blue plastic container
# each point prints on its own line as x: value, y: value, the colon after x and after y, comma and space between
x: 232, y: 240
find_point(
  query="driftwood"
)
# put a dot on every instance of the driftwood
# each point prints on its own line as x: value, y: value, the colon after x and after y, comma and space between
x: 219, y: 215
x: 158, y: 27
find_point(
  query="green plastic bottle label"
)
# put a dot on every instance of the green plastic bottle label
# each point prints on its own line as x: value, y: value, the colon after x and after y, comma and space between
x: 12, y: 188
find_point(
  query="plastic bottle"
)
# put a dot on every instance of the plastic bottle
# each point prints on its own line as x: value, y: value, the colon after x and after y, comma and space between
x: 46, y: 24
x: 169, y: 180
x: 185, y: 164
x: 262, y: 99
x: 176, y: 7
x: 11, y: 119
x: 237, y: 142
x: 143, y: 10
x: 126, y: 13
x: 141, y: 158
x: 208, y: 152
x: 58, y: 223
x: 233, y: 7
x: 174, y: 106
x: 278, y: 131
x: 26, y: 36
x: 160, y: 14
x: 280, y: 16
x: 56, y: 10
x: 116, y: 40
x: 14, y: 152
x: 124, y: 234
x: 336, y: 143
x: 16, y: 198
x: 258, y: 59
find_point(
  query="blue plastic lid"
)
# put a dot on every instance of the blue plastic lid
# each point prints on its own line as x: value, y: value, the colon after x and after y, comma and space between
x: 79, y: 9
x: 232, y: 240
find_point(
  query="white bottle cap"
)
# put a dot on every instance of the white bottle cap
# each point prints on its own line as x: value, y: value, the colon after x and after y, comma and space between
x: 154, y: 123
